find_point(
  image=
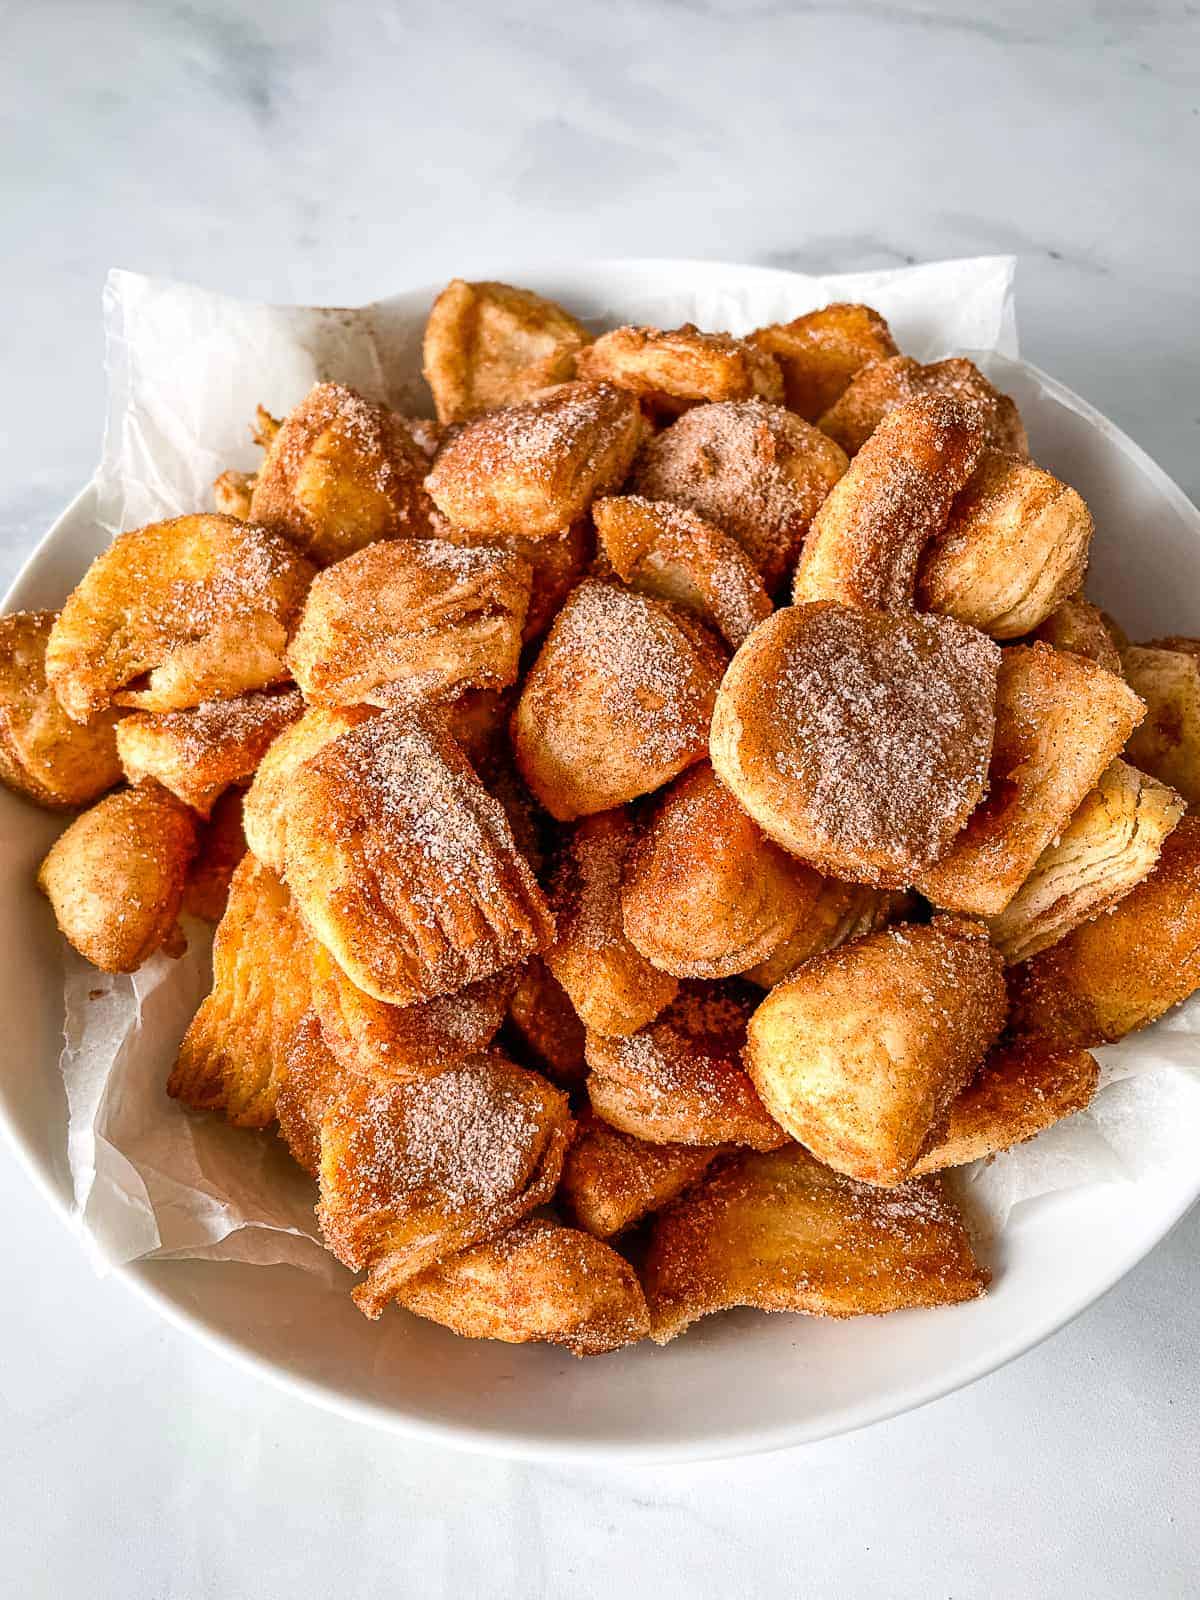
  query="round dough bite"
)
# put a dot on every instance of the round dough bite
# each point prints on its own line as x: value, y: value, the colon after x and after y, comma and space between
x: 821, y: 351
x: 881, y: 386
x: 264, y: 810
x: 672, y: 369
x: 1077, y: 625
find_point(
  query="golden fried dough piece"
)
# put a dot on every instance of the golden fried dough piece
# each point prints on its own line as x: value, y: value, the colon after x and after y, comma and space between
x: 547, y: 1025
x: 233, y: 1053
x: 706, y: 894
x: 1060, y: 720
x: 1015, y: 547
x: 1121, y: 971
x: 115, y: 878
x: 1167, y: 745
x: 264, y: 812
x: 369, y: 1036
x: 617, y: 703
x: 221, y: 846
x: 881, y: 386
x: 867, y: 538
x: 411, y: 619
x: 858, y: 741
x: 198, y: 753
x: 44, y: 755
x: 307, y: 1084
x: 664, y: 550
x: 821, y: 351
x: 233, y: 492
x: 340, y: 473
x: 610, y: 1179
x: 672, y: 369
x: 170, y: 615
x: 533, y: 468
x: 1021, y: 1090
x: 557, y: 563
x: 755, y: 471
x: 860, y: 1053
x: 613, y: 988
x: 539, y: 1282
x: 1110, y: 844
x: 489, y: 345
x: 404, y: 867
x: 838, y: 913
x: 413, y: 1172
x: 780, y: 1232
x: 1077, y: 625
x: 680, y: 1079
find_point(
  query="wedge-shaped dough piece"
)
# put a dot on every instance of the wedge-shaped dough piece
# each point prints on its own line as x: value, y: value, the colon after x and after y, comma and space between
x: 1109, y: 845
x: 414, y: 1172
x: 617, y: 703
x: 115, y: 877
x: 1021, y: 1090
x: 221, y: 846
x: 199, y: 752
x: 44, y: 755
x: 404, y: 867
x: 539, y: 1282
x: 680, y: 1079
x: 612, y: 986
x: 838, y: 913
x: 610, y: 1179
x: 340, y: 473
x: 706, y: 894
x: 867, y: 538
x: 754, y: 470
x: 1060, y: 720
x: 533, y: 468
x: 860, y: 1053
x: 557, y: 563
x: 547, y: 1025
x: 780, y: 1232
x: 1015, y: 547
x: 672, y: 369
x: 856, y: 740
x: 1123, y: 970
x: 1077, y: 625
x: 308, y: 1082
x: 489, y: 345
x: 881, y: 386
x: 821, y: 351
x: 233, y: 1053
x: 170, y: 615
x: 1167, y: 745
x: 411, y: 619
x: 664, y: 550
x: 370, y: 1036
x: 264, y: 813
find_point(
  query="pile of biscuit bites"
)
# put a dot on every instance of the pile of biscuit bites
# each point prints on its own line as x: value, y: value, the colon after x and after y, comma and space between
x: 680, y: 797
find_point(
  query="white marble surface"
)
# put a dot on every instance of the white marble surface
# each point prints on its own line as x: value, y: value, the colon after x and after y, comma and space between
x: 330, y: 153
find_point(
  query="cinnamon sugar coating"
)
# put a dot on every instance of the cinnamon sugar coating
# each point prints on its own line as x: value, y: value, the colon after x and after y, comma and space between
x: 838, y: 913
x: 1166, y: 676
x: 1077, y: 625
x: 556, y: 564
x: 549, y: 1029
x: 881, y: 386
x: 264, y: 810
x: 821, y: 351
x: 610, y: 1179
x: 309, y: 1080
x: 672, y: 369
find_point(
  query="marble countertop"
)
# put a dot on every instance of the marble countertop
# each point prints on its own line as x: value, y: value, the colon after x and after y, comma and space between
x: 326, y: 154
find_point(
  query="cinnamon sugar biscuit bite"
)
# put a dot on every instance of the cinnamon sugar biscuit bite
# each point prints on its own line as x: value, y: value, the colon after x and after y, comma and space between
x: 780, y: 1232
x: 411, y: 619
x: 547, y: 1025
x: 821, y: 351
x: 613, y: 988
x: 1120, y: 971
x: 309, y: 1081
x: 1014, y: 548
x: 1060, y: 720
x: 557, y: 563
x: 404, y: 867
x: 617, y: 703
x: 537, y: 1282
x: 413, y: 1172
x: 222, y: 844
x: 663, y: 550
x: 176, y: 613
x: 536, y: 467
x: 115, y: 878
x: 881, y: 386
x: 489, y: 345
x: 673, y: 369
x: 680, y: 1079
x: 266, y: 799
x: 867, y: 538
x: 838, y: 913
x: 860, y: 1053
x: 858, y: 741
x: 1166, y: 675
x: 233, y: 492
x: 610, y: 1179
x: 1077, y: 625
x: 199, y: 752
x: 339, y: 473
x: 44, y: 755
x: 754, y: 470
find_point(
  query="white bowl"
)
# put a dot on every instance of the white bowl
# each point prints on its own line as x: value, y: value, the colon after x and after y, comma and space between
x: 737, y: 1383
